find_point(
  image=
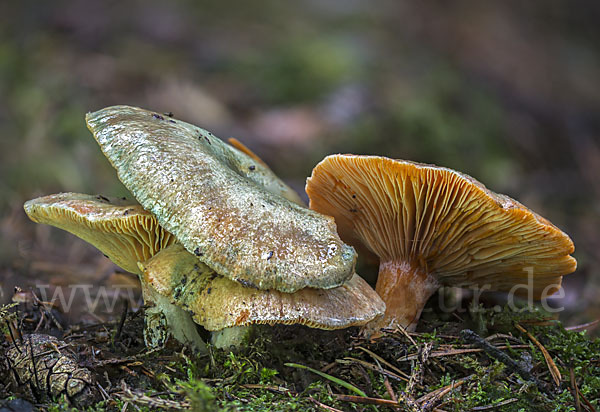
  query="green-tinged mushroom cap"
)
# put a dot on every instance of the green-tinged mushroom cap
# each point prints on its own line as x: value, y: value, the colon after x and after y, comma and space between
x: 181, y: 288
x: 221, y: 204
x: 216, y: 302
x: 120, y: 228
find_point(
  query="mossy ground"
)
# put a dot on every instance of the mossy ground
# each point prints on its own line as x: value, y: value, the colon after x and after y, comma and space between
x: 434, y: 369
x: 504, y: 91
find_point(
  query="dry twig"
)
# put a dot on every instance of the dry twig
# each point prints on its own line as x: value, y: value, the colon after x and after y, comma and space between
x: 323, y: 406
x: 418, y: 368
x: 575, y: 390
x: 129, y: 395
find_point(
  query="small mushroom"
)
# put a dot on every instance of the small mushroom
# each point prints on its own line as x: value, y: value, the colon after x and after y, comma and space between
x: 231, y: 216
x: 126, y: 234
x: 120, y: 228
x: 432, y: 226
x: 219, y: 304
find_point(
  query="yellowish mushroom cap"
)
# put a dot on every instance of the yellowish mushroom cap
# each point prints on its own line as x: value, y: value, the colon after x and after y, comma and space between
x: 120, y: 228
x: 216, y: 302
x: 214, y: 199
x: 440, y: 221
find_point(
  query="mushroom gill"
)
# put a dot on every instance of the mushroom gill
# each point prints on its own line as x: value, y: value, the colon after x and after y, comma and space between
x: 120, y: 228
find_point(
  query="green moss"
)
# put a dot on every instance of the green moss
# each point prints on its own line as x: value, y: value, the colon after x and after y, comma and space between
x: 200, y: 395
x: 255, y: 377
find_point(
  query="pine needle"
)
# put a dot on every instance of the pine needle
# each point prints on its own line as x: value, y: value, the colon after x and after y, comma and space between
x: 549, y: 361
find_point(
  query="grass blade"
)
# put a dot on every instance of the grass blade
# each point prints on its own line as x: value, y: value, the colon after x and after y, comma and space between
x: 329, y: 377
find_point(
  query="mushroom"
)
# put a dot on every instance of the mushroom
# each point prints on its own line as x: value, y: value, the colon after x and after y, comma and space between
x: 120, y: 228
x: 126, y: 234
x: 432, y: 226
x: 226, y: 308
x: 221, y: 204
x: 180, y: 287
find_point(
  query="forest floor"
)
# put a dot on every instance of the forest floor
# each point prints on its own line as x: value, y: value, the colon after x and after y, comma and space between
x: 479, y: 361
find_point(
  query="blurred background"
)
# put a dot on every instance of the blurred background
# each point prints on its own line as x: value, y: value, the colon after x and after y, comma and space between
x: 508, y: 92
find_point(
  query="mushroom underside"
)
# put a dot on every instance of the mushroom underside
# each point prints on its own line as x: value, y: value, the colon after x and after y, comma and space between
x: 432, y: 226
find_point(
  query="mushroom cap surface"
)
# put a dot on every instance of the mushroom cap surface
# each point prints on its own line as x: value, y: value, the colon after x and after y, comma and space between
x: 120, y: 228
x: 443, y: 221
x: 216, y: 302
x: 213, y: 199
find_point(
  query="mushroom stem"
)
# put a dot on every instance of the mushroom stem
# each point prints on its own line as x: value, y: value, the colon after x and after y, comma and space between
x: 405, y: 289
x: 233, y: 336
x: 164, y: 319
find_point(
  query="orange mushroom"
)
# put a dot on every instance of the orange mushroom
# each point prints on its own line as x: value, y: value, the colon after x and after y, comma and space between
x: 432, y: 226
